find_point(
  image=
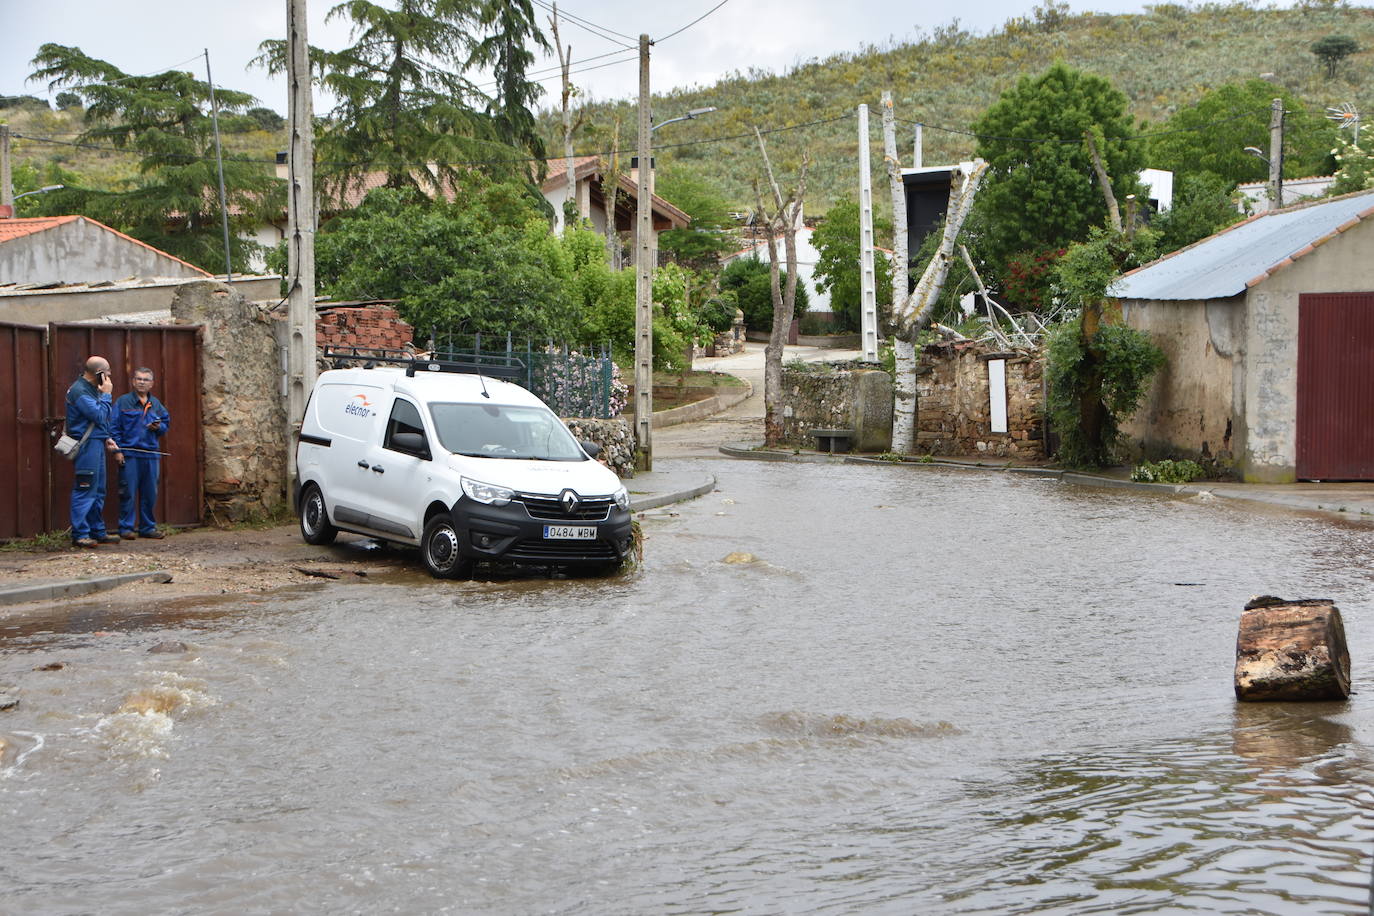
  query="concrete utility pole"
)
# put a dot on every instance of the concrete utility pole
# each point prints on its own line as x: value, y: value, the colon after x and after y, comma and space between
x: 6, y: 183
x: 1276, y: 154
x: 300, y: 193
x: 868, y: 281
x: 644, y: 275
x: 918, y: 148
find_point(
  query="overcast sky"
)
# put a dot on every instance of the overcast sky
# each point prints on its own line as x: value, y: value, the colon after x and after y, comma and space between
x: 146, y: 36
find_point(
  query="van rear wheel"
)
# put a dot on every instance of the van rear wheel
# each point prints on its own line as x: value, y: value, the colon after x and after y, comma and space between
x: 315, y: 526
x: 441, y: 552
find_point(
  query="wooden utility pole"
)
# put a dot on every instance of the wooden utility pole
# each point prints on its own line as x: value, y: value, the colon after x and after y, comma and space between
x: 644, y: 276
x: 1276, y: 154
x: 868, y: 281
x: 6, y: 182
x: 300, y: 193
x: 219, y: 168
x: 571, y: 203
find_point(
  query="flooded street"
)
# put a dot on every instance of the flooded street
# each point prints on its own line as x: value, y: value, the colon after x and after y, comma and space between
x: 932, y: 692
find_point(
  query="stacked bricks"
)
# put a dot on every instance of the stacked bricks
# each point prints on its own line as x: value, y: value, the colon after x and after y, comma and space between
x: 372, y: 326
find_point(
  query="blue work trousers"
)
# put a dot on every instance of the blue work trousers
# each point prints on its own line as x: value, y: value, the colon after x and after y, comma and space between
x: 88, y: 491
x: 138, y: 490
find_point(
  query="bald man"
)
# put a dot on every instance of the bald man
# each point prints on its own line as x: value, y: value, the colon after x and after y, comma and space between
x: 89, y: 410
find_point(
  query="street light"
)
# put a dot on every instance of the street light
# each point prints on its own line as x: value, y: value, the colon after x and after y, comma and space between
x: 51, y: 187
x: 691, y: 115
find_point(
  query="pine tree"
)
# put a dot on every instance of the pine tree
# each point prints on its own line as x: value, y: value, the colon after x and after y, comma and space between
x: 165, y: 119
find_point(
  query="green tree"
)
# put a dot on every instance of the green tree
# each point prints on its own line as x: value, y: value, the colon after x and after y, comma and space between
x: 504, y: 50
x: 1333, y: 49
x: 1212, y: 134
x: 836, y: 240
x: 1097, y: 371
x: 266, y: 119
x: 701, y: 244
x: 451, y: 265
x: 399, y: 106
x: 748, y: 279
x: 68, y: 100
x: 1040, y: 193
x: 1202, y: 206
x: 165, y: 120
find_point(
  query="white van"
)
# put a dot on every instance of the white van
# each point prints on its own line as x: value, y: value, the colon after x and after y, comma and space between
x: 441, y: 456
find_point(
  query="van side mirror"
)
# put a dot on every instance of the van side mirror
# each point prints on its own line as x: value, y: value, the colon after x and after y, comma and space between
x: 591, y: 448
x: 410, y: 442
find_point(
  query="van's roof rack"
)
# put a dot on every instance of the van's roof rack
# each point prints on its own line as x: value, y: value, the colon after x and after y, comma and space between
x: 489, y: 364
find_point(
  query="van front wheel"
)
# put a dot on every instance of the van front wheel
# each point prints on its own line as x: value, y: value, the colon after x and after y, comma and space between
x: 440, y: 551
x: 315, y: 527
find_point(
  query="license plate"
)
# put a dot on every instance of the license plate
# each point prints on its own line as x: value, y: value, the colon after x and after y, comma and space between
x: 570, y: 532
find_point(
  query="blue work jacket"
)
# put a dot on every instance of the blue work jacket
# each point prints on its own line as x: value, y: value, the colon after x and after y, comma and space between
x: 87, y: 404
x: 131, y: 419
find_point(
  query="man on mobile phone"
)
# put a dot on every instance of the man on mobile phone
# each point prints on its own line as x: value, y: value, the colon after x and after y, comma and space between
x: 140, y: 422
x: 88, y: 418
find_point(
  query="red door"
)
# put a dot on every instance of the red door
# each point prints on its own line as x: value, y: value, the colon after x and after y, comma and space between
x: 1335, y: 386
x: 24, y: 450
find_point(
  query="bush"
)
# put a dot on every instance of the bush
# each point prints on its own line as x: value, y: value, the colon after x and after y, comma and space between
x: 1126, y: 361
x: 1168, y: 471
x: 748, y: 278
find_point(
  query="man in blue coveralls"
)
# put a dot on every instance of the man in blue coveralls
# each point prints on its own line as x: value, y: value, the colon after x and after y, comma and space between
x: 140, y: 422
x: 88, y: 410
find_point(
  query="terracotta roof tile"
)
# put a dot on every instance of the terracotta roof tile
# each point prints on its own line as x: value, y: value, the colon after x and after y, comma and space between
x: 18, y: 228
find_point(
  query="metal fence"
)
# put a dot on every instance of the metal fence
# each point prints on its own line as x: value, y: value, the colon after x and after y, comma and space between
x: 573, y: 381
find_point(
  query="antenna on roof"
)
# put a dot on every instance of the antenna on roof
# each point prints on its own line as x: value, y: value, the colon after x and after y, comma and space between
x: 483, y: 379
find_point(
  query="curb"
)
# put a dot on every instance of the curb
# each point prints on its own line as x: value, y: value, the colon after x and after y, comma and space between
x: 76, y: 588
x: 700, y: 410
x: 664, y: 499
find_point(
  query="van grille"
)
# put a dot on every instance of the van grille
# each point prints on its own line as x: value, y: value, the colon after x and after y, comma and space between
x: 536, y: 551
x: 548, y: 509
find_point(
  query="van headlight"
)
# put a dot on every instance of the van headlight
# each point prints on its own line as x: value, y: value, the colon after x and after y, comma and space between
x: 622, y: 498
x: 487, y: 493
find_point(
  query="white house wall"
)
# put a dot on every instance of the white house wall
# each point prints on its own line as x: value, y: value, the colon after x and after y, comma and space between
x: 1345, y: 264
x: 81, y: 252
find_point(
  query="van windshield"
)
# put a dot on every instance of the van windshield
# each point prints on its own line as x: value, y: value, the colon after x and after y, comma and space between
x: 501, y: 431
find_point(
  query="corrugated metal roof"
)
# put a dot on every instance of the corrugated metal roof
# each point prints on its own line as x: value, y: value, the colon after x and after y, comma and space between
x: 1239, y: 257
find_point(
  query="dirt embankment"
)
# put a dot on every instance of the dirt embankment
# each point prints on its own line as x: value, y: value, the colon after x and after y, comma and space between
x: 209, y: 561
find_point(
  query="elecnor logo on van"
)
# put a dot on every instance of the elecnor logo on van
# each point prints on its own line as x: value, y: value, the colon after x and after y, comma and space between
x: 358, y: 407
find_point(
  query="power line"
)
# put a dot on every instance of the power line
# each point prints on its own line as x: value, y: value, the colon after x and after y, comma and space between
x: 1076, y: 140
x: 132, y: 76
x: 693, y: 22
x: 599, y: 31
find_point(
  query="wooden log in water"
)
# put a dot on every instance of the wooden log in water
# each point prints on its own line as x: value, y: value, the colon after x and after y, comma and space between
x: 1291, y: 650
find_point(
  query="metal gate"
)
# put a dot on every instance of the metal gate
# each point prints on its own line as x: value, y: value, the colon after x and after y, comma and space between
x: 39, y: 366
x: 23, y: 439
x: 1335, y: 422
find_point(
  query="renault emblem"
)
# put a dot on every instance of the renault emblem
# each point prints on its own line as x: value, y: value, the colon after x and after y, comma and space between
x: 569, y: 501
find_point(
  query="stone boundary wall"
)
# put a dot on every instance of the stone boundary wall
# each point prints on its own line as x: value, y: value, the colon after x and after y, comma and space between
x: 244, y: 418
x: 378, y: 326
x: 616, y: 438
x: 825, y: 396
x: 954, y: 414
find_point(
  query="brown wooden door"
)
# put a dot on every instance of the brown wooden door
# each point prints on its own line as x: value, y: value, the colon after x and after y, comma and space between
x: 173, y: 353
x: 25, y: 451
x: 1335, y: 386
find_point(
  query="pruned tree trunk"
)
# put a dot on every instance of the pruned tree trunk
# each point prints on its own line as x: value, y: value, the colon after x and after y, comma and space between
x: 784, y: 218
x: 610, y: 187
x: 565, y: 63
x: 905, y: 404
x: 1104, y: 181
x: 1291, y: 650
x: 913, y: 311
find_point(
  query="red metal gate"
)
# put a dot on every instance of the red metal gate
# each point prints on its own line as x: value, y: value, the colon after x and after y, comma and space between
x: 1335, y: 422
x: 173, y: 353
x: 23, y: 442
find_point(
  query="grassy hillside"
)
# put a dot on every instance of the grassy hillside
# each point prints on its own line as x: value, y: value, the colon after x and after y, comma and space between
x: 1161, y: 59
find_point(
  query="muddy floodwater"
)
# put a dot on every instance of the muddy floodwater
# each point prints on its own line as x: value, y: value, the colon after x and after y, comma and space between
x: 929, y: 692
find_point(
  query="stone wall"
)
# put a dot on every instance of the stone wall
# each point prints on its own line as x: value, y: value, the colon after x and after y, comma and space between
x: 616, y: 438
x: 374, y: 326
x: 833, y: 396
x: 954, y: 413
x: 244, y: 419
